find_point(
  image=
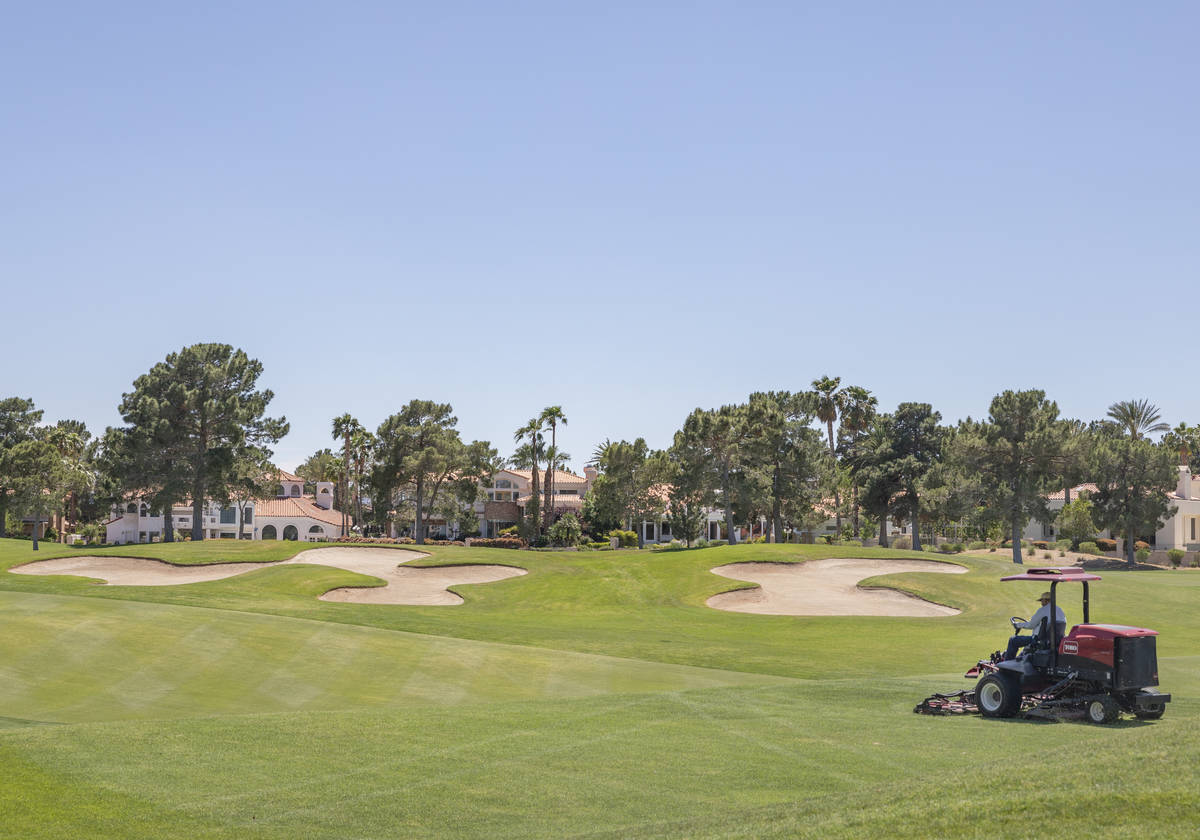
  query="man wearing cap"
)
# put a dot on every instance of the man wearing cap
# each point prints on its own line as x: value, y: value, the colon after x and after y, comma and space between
x: 1035, y: 623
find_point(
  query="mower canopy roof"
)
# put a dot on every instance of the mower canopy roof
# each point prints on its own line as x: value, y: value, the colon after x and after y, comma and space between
x: 1070, y: 573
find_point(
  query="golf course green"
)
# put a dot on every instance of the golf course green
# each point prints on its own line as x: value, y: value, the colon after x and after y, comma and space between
x: 596, y: 696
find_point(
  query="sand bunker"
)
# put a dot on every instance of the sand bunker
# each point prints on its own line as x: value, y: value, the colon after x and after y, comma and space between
x: 826, y: 587
x: 403, y: 585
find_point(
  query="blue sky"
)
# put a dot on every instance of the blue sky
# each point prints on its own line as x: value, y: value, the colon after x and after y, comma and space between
x: 627, y: 209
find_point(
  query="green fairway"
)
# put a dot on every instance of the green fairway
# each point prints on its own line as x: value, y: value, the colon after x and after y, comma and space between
x: 594, y: 697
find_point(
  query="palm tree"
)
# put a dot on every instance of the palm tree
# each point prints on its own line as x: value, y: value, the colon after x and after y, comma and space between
x: 553, y: 415
x: 532, y: 450
x: 857, y: 414
x: 361, y: 444
x: 830, y: 402
x: 1139, y: 417
x: 1183, y: 439
x: 345, y: 428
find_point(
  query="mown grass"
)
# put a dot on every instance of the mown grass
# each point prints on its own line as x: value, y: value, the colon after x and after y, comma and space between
x: 594, y: 697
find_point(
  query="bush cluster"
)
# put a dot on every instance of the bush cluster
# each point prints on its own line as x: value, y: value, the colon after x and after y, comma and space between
x: 950, y: 548
x: 1142, y: 555
x: 499, y: 542
x: 1063, y: 545
x: 1175, y: 556
x: 1041, y: 545
x: 628, y: 538
x: 1088, y: 548
x: 902, y: 543
x: 978, y: 546
x: 1140, y: 545
x: 1103, y: 544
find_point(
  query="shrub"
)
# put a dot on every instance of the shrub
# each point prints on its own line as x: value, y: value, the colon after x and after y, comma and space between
x: 1045, y: 555
x: 856, y: 543
x: 628, y: 538
x: 1062, y: 553
x: 1089, y: 548
x: 1138, y: 545
x: 950, y: 548
x: 1142, y: 555
x: 1175, y: 556
x: 510, y: 531
x: 978, y: 546
x: 1063, y: 545
x: 1105, y: 544
x: 566, y: 531
x: 500, y: 542
x: 1041, y: 545
x: 903, y: 543
x: 992, y: 549
x: 1030, y: 551
x: 1196, y: 562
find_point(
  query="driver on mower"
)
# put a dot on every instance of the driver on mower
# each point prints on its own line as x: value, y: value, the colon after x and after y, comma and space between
x: 1040, y: 624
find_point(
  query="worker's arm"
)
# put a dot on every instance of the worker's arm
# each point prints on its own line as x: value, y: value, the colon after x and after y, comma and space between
x: 1035, y: 623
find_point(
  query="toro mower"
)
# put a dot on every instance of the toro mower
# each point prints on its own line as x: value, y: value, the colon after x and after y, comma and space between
x: 1096, y: 671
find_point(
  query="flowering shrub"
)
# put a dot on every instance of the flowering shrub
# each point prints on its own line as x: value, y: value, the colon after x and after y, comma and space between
x: 394, y: 541
x: 1106, y: 545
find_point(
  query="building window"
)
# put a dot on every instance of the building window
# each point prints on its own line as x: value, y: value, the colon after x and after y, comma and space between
x: 268, y: 532
x: 317, y: 529
x: 504, y: 484
x: 131, y: 508
x: 649, y: 531
x: 144, y: 511
x: 228, y: 516
x: 248, y: 516
x: 1193, y: 529
x: 290, y: 532
x: 295, y: 489
x: 666, y: 529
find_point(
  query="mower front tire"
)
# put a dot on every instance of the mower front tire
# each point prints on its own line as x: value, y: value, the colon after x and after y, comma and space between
x: 998, y: 695
x: 1103, y: 710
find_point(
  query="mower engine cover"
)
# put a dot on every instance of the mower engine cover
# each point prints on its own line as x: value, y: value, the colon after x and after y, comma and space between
x: 1120, y: 656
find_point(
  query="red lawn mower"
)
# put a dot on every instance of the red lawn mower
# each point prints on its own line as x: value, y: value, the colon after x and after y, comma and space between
x: 1097, y: 670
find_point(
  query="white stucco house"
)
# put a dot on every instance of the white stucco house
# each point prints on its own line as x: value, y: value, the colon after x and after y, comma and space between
x: 1181, y: 530
x: 292, y: 515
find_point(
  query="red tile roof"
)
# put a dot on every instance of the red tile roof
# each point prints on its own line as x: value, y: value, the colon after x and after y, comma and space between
x: 284, y: 475
x: 1057, y: 495
x: 294, y: 506
x: 562, y: 478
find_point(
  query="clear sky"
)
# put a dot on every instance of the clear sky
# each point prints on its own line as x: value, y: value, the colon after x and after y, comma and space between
x: 630, y: 210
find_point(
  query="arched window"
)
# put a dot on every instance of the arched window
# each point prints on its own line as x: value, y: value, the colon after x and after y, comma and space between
x: 290, y: 533
x: 317, y: 529
x: 131, y: 508
x: 268, y: 532
x: 295, y: 489
x: 325, y: 490
x: 144, y: 511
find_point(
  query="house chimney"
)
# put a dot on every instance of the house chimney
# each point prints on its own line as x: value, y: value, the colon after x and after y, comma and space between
x: 1184, y: 490
x: 590, y: 473
x: 324, y: 494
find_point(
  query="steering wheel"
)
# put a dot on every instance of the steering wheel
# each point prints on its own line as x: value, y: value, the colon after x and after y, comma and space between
x: 1017, y: 621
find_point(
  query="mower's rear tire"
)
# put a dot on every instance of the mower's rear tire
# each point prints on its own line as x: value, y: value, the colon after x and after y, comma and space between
x: 998, y: 695
x: 1150, y: 711
x: 1103, y: 710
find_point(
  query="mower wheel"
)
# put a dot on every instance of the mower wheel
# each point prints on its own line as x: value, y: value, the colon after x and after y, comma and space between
x: 1150, y: 711
x: 998, y: 695
x: 1103, y: 710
